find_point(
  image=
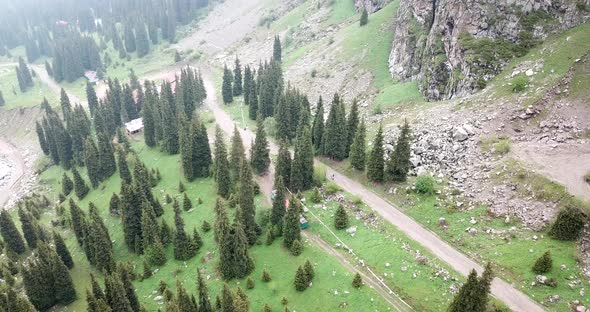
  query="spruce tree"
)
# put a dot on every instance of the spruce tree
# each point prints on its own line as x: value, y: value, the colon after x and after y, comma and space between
x: 100, y: 240
x: 335, y: 136
x: 149, y: 122
x: 357, y: 281
x: 92, y: 162
x: 123, y: 167
x: 237, y: 86
x: 204, y: 301
x: 260, y: 158
x: 186, y: 148
x: 309, y: 271
x: 375, y: 162
x: 340, y: 218
x: 318, y: 126
x: 364, y: 17
x: 91, y: 98
x: 201, y: 150
x: 141, y: 40
x: 29, y: 227
x: 186, y: 203
x: 278, y: 204
x: 237, y: 154
x: 221, y: 227
x: 169, y: 121
x: 40, y: 134
x: 78, y: 220
x: 352, y: 125
x: 247, y: 210
x: 399, y: 163
x: 227, y: 300
x: 65, y: 292
x: 62, y: 250
x: 129, y: 289
x: 131, y: 200
x: 277, y: 50
x: 115, y: 294
x: 235, y: 260
x: 283, y: 164
x: 473, y: 295
x: 10, y: 234
x: 184, y: 247
x: 67, y: 185
x: 253, y: 101
x: 302, y: 167
x: 106, y: 156
x: 222, y: 173
x: 248, y: 79
x: 543, y: 264
x: 80, y: 187
x: 358, y: 148
x: 291, y: 227
x: 300, y: 282
x: 226, y: 87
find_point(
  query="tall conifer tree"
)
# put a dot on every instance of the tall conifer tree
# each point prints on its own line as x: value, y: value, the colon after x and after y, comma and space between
x: 375, y: 162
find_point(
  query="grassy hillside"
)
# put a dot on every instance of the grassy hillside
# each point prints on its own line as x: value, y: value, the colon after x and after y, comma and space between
x: 332, y: 284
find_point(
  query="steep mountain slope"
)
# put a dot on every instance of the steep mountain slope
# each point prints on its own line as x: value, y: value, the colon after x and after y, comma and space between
x: 454, y: 47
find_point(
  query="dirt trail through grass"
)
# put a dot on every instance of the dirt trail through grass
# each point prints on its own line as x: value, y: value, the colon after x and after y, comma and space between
x: 53, y: 85
x: 266, y: 185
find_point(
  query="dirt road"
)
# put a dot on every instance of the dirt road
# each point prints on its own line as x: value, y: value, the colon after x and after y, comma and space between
x: 565, y: 164
x: 13, y: 165
x: 52, y: 84
x: 505, y: 292
x: 266, y: 185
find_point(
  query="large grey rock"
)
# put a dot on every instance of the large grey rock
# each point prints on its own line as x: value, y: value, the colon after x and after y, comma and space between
x: 460, y: 134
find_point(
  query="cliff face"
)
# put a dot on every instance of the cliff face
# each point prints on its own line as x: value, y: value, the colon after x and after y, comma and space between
x: 453, y: 47
x: 371, y: 5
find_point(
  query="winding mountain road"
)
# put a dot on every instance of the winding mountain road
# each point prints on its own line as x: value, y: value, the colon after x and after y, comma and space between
x: 266, y: 185
x: 512, y: 297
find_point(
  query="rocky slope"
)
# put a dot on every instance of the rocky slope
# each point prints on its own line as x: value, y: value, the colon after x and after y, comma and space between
x: 370, y: 5
x: 453, y: 47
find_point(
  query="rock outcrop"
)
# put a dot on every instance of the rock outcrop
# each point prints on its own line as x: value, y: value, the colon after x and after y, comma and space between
x: 371, y: 5
x: 453, y: 47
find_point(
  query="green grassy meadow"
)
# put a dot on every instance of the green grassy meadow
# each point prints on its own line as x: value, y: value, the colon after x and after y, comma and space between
x: 14, y: 98
x: 511, y: 247
x: 331, y: 287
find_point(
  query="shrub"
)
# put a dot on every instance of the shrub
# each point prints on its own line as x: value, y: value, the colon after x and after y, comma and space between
x: 206, y: 227
x: 503, y: 146
x: 543, y: 264
x: 266, y: 276
x: 587, y: 177
x: 568, y: 224
x: 249, y: 283
x: 296, y: 248
x: 319, y: 176
x: 551, y: 282
x: 519, y: 83
x: 357, y: 282
x: 332, y: 188
x: 340, y: 218
x: 425, y: 185
x: 377, y: 109
x: 356, y: 200
x: 316, y: 196
x: 364, y: 17
x: 270, y: 237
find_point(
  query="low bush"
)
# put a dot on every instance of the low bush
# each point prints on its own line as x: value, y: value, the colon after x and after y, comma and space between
x: 425, y: 184
x: 569, y: 224
x: 519, y: 83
